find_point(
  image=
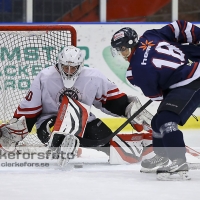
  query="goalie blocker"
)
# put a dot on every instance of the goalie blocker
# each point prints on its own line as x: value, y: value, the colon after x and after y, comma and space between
x: 11, y: 133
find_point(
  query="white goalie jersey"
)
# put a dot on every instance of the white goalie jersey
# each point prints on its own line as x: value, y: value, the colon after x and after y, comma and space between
x: 46, y: 91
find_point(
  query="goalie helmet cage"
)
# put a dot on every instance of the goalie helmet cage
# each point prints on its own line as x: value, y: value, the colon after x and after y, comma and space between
x: 24, y: 51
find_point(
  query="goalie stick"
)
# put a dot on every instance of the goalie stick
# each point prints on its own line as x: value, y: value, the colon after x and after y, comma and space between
x: 195, y: 154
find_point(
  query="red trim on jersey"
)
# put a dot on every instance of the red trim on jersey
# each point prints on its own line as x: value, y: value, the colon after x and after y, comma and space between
x: 193, y: 34
x: 130, y: 77
x: 116, y: 96
x: 179, y: 24
x: 193, y: 70
x: 129, y: 68
x: 104, y: 98
x: 28, y: 109
x: 100, y: 97
x: 112, y: 98
x: 112, y: 91
x: 16, y: 115
x: 170, y: 25
x: 183, y: 31
x: 156, y: 96
x: 173, y: 30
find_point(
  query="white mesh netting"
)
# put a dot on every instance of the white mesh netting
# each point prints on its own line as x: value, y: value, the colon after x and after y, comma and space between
x: 23, y: 54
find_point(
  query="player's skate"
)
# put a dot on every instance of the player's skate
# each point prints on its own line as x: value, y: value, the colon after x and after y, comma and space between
x: 152, y: 164
x: 177, y: 170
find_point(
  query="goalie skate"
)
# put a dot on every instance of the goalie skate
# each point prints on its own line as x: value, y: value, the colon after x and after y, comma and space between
x: 177, y: 170
x: 68, y: 149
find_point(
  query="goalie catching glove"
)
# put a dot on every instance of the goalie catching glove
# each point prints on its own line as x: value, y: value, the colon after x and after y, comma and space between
x: 13, y: 132
x: 143, y: 120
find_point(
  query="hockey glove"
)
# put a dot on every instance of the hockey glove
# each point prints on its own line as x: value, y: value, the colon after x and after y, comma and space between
x: 143, y: 119
x: 12, y: 132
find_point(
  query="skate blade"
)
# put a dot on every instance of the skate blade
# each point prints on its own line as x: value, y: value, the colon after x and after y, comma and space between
x: 179, y: 176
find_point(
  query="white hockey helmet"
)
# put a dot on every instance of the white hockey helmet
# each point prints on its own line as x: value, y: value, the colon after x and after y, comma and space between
x: 72, y: 59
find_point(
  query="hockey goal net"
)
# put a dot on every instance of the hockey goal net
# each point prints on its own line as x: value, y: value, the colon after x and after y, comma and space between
x: 24, y: 51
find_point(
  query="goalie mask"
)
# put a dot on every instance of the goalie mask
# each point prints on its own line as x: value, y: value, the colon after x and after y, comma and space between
x: 70, y: 63
x: 123, y: 41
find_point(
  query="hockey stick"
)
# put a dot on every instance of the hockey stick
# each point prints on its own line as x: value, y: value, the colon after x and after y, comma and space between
x: 196, y: 154
x: 94, y: 143
x: 193, y: 152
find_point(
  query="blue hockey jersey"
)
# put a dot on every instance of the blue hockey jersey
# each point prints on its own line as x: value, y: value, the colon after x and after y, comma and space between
x: 163, y: 61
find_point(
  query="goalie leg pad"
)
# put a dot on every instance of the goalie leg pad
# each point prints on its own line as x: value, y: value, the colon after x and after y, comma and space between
x: 126, y: 148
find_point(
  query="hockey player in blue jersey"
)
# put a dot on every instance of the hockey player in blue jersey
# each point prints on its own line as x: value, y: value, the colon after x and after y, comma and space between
x: 165, y: 64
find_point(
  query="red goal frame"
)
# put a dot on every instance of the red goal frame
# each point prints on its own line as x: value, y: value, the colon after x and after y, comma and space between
x: 43, y: 27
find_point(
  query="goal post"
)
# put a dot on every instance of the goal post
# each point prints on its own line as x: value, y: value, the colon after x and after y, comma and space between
x: 71, y: 31
x: 24, y: 51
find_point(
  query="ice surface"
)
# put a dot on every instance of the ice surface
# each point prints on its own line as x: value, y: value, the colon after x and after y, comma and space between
x: 97, y: 180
